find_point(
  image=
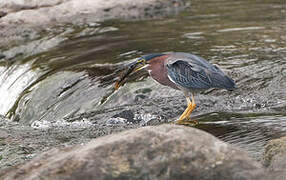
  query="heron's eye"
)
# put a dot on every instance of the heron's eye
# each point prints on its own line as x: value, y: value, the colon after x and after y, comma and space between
x: 142, y: 61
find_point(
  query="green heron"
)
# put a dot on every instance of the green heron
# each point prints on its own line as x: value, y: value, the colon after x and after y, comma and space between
x: 182, y: 71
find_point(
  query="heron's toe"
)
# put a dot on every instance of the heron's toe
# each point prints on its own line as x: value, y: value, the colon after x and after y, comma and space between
x: 187, y: 121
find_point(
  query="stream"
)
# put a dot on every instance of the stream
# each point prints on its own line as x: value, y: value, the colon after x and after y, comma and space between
x: 63, y: 76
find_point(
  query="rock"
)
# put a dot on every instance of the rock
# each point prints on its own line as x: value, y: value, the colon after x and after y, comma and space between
x: 277, y: 175
x: 160, y: 152
x: 39, y: 12
x: 19, y: 19
x: 126, y: 114
x: 3, y: 134
x: 2, y: 14
x: 274, y: 156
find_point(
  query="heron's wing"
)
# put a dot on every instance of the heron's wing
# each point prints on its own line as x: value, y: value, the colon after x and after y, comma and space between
x: 185, y: 75
x: 191, y: 75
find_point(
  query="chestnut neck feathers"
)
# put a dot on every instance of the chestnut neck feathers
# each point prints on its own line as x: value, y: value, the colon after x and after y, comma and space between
x: 158, y: 71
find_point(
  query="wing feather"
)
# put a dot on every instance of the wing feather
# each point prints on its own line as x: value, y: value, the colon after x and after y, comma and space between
x: 197, y: 73
x: 186, y: 76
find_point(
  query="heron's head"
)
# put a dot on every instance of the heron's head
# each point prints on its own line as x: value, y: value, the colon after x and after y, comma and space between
x: 133, y: 67
x: 139, y: 64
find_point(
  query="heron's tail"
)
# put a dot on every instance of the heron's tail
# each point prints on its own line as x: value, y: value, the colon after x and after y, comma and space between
x: 220, y: 80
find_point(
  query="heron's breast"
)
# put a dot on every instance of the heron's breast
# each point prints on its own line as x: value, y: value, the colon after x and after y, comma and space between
x: 159, y: 73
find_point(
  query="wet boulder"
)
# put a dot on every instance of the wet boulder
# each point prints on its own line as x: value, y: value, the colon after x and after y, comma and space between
x: 69, y: 11
x: 274, y: 157
x: 161, y: 152
x: 24, y: 21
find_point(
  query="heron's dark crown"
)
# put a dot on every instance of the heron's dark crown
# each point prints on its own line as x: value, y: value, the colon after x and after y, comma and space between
x: 151, y: 56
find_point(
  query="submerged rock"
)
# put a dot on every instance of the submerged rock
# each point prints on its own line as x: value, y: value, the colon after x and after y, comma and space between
x: 2, y: 14
x: 161, y: 152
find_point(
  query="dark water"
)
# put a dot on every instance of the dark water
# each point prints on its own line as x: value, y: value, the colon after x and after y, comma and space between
x: 245, y: 38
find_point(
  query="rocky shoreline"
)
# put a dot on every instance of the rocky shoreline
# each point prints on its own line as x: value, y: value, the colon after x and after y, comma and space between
x: 26, y: 21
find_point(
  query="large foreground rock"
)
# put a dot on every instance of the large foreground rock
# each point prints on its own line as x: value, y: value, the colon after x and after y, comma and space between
x: 274, y: 157
x: 162, y: 152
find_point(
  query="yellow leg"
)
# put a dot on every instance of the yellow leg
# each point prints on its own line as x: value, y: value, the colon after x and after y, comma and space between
x: 186, y: 114
x: 183, y: 116
x: 192, y: 108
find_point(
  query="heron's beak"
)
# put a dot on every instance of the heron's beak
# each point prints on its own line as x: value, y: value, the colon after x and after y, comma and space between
x: 141, y: 64
x: 132, y: 68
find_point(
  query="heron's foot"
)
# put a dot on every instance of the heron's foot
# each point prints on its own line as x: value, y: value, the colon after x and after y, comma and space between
x: 187, y: 121
x: 187, y: 113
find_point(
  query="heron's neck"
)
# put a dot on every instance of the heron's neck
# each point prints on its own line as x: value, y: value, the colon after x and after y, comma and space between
x: 158, y: 71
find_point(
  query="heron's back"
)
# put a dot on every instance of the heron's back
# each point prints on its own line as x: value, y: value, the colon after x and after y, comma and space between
x: 193, y: 72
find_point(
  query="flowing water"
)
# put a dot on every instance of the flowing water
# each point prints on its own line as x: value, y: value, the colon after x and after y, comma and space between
x: 66, y: 73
